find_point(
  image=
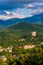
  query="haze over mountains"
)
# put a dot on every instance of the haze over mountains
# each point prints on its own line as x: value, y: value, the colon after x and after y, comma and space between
x: 36, y: 19
x: 33, y: 20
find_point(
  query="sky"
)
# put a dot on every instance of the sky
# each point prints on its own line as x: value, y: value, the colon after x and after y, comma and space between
x: 20, y: 8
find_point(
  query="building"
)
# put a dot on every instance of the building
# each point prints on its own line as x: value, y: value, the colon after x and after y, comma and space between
x: 34, y: 33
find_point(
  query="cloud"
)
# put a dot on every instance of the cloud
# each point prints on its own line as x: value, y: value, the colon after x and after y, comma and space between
x: 37, y: 11
x: 34, y: 5
x: 19, y: 13
x: 10, y: 15
x: 29, y: 11
x: 39, y: 3
x: 7, y: 12
x: 28, y: 5
x: 20, y: 8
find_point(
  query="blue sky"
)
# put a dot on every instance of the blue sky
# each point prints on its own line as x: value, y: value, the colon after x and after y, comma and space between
x: 20, y: 8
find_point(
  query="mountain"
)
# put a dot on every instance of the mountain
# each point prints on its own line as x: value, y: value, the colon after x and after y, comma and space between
x: 9, y: 22
x: 25, y: 26
x: 21, y: 30
x: 36, y: 19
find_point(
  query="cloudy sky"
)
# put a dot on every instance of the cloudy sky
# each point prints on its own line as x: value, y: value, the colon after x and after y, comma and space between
x: 20, y: 8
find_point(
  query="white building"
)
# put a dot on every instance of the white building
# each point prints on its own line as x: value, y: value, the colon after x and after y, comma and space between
x: 34, y: 33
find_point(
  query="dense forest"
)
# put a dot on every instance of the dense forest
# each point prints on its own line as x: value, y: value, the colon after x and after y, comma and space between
x: 20, y: 35
x: 14, y: 33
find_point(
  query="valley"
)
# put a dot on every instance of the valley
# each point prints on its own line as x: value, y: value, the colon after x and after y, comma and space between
x: 20, y: 43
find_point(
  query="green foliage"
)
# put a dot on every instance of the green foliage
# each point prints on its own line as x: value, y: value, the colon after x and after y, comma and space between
x: 29, y: 58
x: 11, y: 37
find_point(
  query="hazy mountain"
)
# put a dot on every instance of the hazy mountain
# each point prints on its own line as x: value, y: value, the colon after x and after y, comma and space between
x: 9, y: 22
x: 34, y: 19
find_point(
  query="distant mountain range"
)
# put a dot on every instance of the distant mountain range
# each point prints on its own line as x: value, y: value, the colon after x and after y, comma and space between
x: 36, y: 19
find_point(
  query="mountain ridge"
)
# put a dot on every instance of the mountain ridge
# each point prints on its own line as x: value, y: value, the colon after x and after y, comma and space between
x: 25, y: 26
x: 33, y: 20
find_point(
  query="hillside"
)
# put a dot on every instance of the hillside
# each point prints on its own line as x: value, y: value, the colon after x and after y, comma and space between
x: 21, y: 30
x: 26, y: 27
